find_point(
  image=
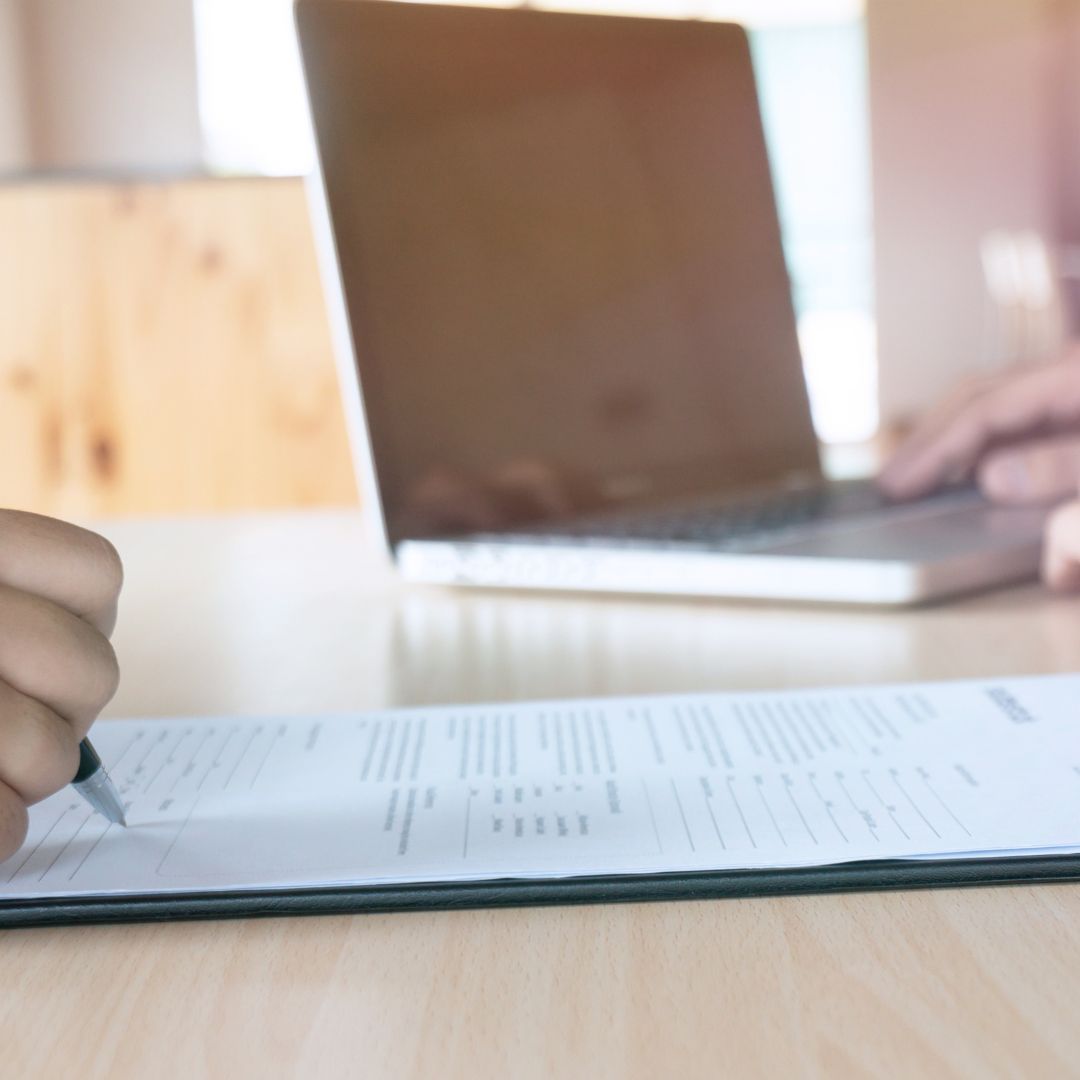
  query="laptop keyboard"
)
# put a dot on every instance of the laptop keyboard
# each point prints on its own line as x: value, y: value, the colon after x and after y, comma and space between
x: 707, y: 525
x: 729, y: 524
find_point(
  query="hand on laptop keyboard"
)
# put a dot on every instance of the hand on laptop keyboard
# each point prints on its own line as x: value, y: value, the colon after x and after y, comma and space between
x: 1018, y: 435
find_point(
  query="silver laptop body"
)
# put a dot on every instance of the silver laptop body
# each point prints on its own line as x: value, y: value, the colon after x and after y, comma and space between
x: 564, y: 323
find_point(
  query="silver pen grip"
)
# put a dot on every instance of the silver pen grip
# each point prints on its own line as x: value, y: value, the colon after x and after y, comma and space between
x: 93, y: 783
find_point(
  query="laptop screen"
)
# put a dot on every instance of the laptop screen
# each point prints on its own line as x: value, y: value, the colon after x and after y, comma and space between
x: 560, y: 257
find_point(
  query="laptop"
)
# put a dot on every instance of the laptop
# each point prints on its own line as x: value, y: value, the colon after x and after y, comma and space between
x: 564, y: 320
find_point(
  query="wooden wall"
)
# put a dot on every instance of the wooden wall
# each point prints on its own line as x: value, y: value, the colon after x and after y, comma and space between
x: 164, y: 349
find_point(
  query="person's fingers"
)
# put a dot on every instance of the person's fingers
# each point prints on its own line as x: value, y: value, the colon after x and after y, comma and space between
x: 1061, y: 552
x: 13, y: 822
x: 1047, y: 398
x: 72, y: 567
x: 39, y: 750
x: 933, y: 422
x: 50, y: 654
x: 1037, y: 472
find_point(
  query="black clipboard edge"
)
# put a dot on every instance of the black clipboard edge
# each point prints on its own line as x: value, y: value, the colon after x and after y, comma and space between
x: 710, y: 885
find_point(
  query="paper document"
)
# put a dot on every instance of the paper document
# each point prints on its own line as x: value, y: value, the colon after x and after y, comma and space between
x: 570, y: 788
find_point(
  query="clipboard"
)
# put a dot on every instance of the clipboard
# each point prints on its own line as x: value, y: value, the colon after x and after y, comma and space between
x: 617, y: 800
x: 888, y: 875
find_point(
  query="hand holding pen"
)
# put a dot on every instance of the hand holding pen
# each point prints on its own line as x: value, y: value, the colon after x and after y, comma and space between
x: 59, y: 587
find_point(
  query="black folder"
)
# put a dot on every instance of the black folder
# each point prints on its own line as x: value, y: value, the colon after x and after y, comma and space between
x: 295, y: 866
x: 628, y: 889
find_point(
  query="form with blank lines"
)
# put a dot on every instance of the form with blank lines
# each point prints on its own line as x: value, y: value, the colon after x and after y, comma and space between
x: 565, y: 789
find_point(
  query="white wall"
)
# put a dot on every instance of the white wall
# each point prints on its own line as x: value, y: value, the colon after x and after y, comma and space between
x: 112, y: 84
x: 964, y: 96
x: 14, y: 140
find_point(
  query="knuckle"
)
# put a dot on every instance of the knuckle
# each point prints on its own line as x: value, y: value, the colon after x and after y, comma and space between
x: 108, y: 566
x: 94, y: 671
x: 13, y: 822
x: 100, y: 672
x: 58, y: 659
x: 41, y: 756
x: 109, y: 672
x: 51, y: 634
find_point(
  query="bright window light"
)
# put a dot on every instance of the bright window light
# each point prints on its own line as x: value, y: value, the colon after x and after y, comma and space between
x: 840, y: 360
x: 813, y: 85
x: 251, y: 93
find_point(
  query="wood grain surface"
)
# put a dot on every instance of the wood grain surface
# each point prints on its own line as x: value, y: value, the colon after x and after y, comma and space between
x: 164, y: 348
x: 295, y: 613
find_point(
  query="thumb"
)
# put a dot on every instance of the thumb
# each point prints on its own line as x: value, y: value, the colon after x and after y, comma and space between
x: 1061, y: 554
x: 1045, y: 471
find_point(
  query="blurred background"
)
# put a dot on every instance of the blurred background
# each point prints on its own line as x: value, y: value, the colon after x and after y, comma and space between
x: 163, y: 344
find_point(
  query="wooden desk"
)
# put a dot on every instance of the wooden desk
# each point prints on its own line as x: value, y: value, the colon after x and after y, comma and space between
x: 273, y: 614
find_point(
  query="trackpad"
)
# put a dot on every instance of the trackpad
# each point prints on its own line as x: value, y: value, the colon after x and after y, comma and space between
x: 927, y: 536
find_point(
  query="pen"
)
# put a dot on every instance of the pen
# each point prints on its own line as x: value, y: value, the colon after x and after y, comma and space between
x: 93, y: 783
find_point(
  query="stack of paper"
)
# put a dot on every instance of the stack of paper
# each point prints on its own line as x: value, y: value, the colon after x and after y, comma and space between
x: 571, y: 788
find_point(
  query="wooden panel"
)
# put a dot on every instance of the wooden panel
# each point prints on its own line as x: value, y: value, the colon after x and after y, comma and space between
x: 164, y: 348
